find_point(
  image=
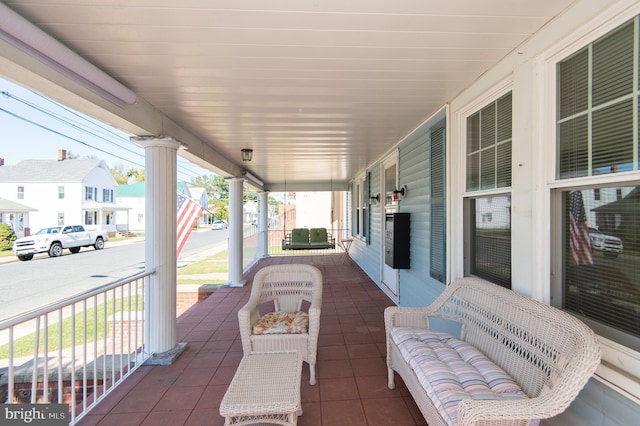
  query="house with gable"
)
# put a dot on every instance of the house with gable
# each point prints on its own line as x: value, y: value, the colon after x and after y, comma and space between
x: 200, y: 197
x: 15, y: 215
x: 130, y: 199
x: 62, y: 192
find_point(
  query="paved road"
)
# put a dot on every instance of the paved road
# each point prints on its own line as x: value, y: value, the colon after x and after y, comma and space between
x: 28, y: 285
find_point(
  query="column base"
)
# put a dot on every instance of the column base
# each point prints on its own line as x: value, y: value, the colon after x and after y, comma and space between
x: 168, y: 357
x: 237, y: 283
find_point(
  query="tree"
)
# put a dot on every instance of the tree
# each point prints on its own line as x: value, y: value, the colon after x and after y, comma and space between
x: 7, y: 237
x: 123, y: 176
x: 119, y: 174
x: 135, y: 175
x: 216, y: 186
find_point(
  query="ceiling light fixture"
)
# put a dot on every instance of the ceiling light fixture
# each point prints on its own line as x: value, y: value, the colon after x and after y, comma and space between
x: 247, y: 154
x: 25, y: 36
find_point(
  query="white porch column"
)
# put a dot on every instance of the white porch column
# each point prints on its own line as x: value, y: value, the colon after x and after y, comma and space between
x: 236, y: 225
x: 160, y: 247
x: 263, y: 223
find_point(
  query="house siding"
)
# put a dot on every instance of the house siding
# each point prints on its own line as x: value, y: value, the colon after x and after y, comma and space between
x: 527, y: 75
x: 367, y: 253
x: 417, y: 288
x: 41, y: 179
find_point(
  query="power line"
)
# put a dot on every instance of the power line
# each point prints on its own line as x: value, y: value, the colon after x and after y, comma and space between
x: 79, y: 127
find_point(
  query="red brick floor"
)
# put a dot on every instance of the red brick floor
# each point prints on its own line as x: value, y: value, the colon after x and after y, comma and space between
x: 351, y: 371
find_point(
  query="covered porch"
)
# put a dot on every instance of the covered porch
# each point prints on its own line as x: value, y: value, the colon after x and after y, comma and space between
x: 351, y: 370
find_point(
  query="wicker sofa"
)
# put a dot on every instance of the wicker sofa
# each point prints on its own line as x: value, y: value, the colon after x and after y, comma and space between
x: 514, y: 362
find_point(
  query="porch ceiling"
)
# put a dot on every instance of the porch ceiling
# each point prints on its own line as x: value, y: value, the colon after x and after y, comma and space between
x: 318, y: 90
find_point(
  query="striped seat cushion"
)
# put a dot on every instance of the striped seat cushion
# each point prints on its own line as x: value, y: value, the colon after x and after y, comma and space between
x: 451, y: 370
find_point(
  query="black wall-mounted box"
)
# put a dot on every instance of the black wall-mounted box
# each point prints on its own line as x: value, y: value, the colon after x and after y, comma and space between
x: 397, y: 239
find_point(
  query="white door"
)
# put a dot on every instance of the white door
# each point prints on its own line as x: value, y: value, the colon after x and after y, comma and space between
x: 390, y: 277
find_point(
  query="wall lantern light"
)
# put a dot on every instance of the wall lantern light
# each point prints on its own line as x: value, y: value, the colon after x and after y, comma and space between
x: 375, y: 199
x: 399, y: 194
x: 247, y: 154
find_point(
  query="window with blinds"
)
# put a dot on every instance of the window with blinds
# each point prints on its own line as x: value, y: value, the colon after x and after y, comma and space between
x: 360, y: 200
x: 601, y: 245
x: 488, y: 233
x: 490, y: 245
x: 489, y: 146
x: 597, y: 105
x: 598, y: 92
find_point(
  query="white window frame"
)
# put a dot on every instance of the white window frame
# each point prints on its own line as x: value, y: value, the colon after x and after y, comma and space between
x: 496, y: 92
x: 620, y: 366
x: 360, y: 205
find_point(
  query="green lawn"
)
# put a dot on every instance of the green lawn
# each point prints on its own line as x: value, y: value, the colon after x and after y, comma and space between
x: 24, y: 346
x: 218, y: 263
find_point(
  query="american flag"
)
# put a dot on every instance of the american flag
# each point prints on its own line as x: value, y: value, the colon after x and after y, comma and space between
x: 579, y: 243
x: 188, y: 214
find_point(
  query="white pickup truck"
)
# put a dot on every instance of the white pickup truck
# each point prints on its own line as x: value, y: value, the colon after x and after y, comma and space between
x: 53, y: 240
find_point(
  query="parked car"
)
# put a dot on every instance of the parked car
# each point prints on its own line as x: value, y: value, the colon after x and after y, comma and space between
x: 607, y: 244
x: 57, y: 238
x: 219, y: 224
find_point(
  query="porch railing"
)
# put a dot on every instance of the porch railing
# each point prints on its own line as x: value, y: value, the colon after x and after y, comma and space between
x: 75, y: 351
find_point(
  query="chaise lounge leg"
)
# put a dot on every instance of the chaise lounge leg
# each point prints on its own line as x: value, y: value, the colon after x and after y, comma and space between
x: 390, y: 374
x: 312, y: 374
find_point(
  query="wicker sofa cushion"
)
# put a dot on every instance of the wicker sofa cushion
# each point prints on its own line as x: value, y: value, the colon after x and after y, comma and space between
x: 279, y: 322
x: 451, y: 370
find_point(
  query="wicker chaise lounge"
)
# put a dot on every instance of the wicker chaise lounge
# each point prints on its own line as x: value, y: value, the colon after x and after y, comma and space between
x: 515, y: 360
x: 292, y: 293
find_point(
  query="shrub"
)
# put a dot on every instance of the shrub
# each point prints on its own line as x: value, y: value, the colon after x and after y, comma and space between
x: 7, y: 237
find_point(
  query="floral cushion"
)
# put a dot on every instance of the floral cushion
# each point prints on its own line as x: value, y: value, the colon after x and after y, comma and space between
x: 296, y: 322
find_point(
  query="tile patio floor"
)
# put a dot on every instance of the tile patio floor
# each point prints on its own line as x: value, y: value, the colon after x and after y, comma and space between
x: 351, y: 370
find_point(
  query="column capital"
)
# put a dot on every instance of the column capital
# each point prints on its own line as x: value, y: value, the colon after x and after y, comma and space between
x: 234, y: 179
x: 151, y: 141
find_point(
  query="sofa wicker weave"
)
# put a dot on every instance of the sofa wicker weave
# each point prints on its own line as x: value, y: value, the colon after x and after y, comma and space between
x: 284, y: 288
x: 548, y: 353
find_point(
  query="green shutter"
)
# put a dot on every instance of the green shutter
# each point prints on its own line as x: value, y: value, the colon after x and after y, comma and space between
x: 438, y: 203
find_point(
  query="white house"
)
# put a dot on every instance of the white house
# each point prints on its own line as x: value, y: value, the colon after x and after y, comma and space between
x: 16, y: 215
x: 130, y: 199
x: 199, y: 195
x: 62, y: 192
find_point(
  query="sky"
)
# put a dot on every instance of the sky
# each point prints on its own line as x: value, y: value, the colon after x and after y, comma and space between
x: 34, y: 127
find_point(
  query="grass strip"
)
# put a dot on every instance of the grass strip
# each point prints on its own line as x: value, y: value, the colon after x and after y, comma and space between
x: 24, y: 346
